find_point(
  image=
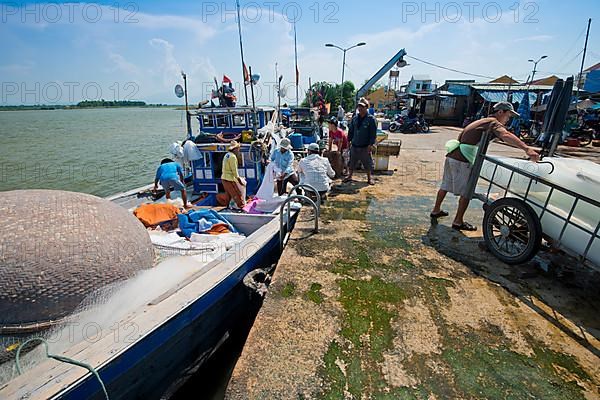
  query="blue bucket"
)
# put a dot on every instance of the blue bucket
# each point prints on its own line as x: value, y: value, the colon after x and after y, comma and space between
x: 296, y: 140
x: 309, y: 139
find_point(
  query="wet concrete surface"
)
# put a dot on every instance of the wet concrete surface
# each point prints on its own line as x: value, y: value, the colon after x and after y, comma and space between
x: 383, y: 304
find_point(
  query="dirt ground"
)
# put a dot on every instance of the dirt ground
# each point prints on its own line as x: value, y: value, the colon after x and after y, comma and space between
x: 381, y: 304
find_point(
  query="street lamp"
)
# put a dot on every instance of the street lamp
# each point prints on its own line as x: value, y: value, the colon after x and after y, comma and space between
x: 343, y: 65
x: 535, y: 63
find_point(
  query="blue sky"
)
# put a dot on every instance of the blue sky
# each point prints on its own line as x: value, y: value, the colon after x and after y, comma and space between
x: 66, y: 52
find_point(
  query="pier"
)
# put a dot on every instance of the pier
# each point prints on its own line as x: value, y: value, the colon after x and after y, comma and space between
x: 383, y: 304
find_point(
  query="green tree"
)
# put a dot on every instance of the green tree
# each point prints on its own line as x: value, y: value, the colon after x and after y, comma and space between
x: 332, y: 94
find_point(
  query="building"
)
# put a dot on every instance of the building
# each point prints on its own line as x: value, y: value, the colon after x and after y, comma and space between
x: 381, y: 98
x: 548, y: 81
x: 420, y: 84
x: 591, y: 78
x: 505, y: 79
x: 457, y: 99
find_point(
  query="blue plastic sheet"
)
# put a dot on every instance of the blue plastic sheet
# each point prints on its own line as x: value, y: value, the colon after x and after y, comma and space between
x: 201, y: 221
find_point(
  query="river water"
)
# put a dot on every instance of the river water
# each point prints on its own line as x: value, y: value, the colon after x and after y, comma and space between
x: 103, y: 152
x: 96, y: 151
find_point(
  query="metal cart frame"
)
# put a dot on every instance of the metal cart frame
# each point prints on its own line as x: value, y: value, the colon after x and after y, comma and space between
x: 511, y: 227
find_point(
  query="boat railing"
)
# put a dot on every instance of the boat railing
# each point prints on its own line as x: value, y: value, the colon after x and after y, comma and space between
x: 284, y: 217
x: 309, y: 188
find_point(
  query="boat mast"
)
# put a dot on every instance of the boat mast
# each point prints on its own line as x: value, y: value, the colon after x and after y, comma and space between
x: 254, y: 122
x: 583, y: 58
x: 244, y: 74
x: 297, y: 72
x: 187, y: 111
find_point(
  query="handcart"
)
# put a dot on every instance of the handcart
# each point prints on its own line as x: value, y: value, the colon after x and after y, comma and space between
x: 520, y: 211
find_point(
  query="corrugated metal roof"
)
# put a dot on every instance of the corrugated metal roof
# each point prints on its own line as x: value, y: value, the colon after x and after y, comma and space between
x: 496, y: 96
x: 512, y: 88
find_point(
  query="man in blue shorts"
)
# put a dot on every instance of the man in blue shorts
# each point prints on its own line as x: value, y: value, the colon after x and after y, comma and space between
x: 170, y: 175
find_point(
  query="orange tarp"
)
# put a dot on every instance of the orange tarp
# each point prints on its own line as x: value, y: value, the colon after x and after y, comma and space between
x: 153, y: 214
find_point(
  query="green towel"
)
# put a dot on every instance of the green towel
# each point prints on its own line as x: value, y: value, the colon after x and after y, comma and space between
x: 469, y: 151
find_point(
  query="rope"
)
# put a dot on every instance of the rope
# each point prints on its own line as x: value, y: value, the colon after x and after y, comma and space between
x: 61, y: 359
x: 450, y: 69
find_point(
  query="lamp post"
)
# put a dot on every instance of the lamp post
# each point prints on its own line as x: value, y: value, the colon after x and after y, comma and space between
x: 343, y: 65
x: 535, y: 63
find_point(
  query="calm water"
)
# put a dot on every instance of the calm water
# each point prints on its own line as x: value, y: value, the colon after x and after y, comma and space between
x: 99, y: 151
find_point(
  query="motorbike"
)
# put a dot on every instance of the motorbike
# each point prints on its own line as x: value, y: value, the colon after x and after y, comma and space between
x: 397, y: 123
x: 415, y: 125
x: 584, y: 134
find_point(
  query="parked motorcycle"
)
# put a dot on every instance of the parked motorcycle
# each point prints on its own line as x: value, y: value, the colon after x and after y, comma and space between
x: 583, y: 134
x: 397, y: 123
x: 416, y: 125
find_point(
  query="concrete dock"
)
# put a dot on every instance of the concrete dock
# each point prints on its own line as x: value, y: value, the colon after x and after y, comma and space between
x: 381, y: 304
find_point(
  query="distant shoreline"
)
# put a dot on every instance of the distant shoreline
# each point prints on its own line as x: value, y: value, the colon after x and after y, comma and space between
x: 85, y: 107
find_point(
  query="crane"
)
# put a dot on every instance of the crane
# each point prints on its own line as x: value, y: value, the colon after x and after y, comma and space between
x: 396, y: 60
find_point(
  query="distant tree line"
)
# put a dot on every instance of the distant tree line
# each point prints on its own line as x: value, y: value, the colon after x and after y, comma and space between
x: 105, y: 103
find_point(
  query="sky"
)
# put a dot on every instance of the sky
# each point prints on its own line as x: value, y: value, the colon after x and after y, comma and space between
x: 62, y: 53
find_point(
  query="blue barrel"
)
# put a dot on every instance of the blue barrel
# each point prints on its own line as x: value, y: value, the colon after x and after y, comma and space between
x: 309, y: 139
x: 296, y: 140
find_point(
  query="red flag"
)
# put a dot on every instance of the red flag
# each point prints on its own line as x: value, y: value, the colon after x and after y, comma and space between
x: 226, y: 79
x: 246, y: 75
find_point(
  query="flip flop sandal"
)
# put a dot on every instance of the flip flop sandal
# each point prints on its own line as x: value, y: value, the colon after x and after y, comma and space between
x: 464, y: 227
x: 372, y: 183
x: 347, y: 180
x: 439, y: 215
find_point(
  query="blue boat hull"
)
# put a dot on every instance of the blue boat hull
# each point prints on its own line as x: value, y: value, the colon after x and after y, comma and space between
x: 148, y: 368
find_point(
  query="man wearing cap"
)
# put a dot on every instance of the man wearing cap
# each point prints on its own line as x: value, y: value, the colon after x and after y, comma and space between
x: 232, y: 182
x: 283, y: 159
x: 316, y: 171
x: 362, y: 134
x: 461, y: 154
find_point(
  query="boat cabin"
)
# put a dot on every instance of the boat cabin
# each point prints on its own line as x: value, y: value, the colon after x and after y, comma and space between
x: 207, y: 171
x: 231, y: 119
x: 231, y: 122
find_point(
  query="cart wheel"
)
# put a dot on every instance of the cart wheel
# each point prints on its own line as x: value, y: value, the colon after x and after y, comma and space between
x: 512, y: 230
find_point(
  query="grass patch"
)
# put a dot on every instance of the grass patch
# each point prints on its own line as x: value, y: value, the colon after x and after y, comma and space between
x: 288, y: 290
x: 348, y: 210
x: 439, y: 288
x: 487, y: 372
x: 314, y: 293
x: 366, y: 327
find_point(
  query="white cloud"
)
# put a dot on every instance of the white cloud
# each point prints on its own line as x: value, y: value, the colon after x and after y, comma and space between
x: 121, y: 64
x: 536, y: 38
x: 169, y: 67
x: 20, y: 68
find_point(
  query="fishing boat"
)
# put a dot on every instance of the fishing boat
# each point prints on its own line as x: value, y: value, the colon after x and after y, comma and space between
x: 171, y: 332
x: 148, y: 349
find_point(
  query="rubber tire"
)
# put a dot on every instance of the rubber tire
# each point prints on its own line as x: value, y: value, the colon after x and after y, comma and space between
x: 425, y: 128
x: 585, y: 139
x: 393, y: 127
x: 535, y: 230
